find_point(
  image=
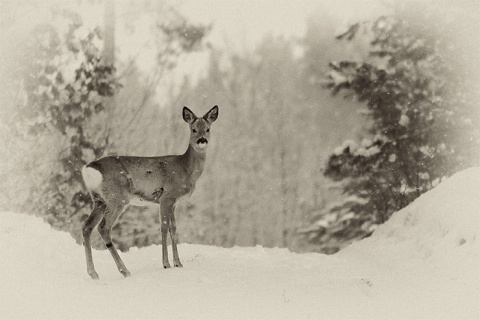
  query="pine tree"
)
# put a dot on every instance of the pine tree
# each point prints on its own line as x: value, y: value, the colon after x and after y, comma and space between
x: 419, y: 132
x: 62, y: 104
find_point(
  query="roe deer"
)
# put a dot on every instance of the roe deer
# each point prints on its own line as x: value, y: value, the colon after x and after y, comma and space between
x: 114, y: 182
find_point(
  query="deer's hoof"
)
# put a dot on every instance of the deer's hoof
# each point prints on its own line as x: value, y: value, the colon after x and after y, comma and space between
x: 94, y: 275
x: 178, y: 264
x: 166, y: 265
x: 125, y: 273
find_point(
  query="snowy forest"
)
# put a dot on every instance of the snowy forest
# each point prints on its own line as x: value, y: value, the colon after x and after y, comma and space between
x: 321, y: 136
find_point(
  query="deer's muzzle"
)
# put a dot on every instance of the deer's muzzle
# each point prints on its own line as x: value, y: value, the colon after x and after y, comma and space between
x: 202, y: 142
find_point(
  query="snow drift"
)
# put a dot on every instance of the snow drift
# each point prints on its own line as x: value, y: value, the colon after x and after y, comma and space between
x: 423, y: 263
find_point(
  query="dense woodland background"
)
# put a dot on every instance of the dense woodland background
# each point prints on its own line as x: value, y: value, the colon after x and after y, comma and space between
x: 319, y: 139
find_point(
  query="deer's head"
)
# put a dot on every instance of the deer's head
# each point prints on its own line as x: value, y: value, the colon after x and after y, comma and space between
x: 200, y: 127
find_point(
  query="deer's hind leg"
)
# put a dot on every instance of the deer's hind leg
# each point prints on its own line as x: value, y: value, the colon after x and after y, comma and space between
x: 104, y: 228
x: 87, y: 228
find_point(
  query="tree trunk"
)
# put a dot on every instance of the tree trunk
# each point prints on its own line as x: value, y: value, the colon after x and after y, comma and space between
x: 109, y: 32
x: 109, y: 49
x: 284, y: 196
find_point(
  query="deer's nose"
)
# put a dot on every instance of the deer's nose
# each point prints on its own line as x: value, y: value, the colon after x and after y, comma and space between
x: 202, y: 142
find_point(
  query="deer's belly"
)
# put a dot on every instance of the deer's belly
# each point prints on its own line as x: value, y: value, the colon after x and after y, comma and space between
x: 151, y: 197
x: 141, y: 202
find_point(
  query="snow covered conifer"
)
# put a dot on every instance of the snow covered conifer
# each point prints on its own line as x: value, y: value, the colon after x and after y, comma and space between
x: 423, y: 120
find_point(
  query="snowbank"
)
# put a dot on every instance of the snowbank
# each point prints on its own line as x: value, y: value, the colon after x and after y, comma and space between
x: 432, y: 245
x: 440, y: 223
x: 423, y: 263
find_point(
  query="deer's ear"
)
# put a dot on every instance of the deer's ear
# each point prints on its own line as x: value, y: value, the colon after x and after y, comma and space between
x: 188, y: 115
x: 211, y: 115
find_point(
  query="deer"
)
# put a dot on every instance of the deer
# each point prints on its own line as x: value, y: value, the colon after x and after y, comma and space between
x: 115, y: 182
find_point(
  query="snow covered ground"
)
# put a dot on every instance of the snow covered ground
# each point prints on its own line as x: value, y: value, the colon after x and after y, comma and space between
x: 424, y: 263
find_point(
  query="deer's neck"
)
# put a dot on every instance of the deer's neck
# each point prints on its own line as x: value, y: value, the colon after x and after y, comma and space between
x: 194, y: 162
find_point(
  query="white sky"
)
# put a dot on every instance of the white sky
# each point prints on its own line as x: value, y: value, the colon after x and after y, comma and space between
x: 238, y: 25
x: 249, y: 20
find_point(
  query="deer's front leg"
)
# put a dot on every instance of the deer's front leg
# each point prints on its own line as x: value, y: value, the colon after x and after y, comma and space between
x: 174, y: 236
x: 166, y: 206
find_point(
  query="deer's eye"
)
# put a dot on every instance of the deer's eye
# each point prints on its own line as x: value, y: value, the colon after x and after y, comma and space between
x: 194, y: 130
x: 208, y: 130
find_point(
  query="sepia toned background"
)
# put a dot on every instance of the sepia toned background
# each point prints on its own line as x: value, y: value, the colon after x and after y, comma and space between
x: 332, y: 116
